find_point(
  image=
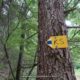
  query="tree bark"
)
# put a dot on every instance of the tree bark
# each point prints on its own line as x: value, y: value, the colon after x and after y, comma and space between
x: 53, y: 64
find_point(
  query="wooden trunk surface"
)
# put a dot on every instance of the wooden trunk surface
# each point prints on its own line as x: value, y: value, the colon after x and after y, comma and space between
x: 53, y: 64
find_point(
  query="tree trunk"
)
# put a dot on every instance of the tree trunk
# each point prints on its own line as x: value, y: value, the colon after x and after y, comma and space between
x: 53, y: 64
x: 20, y: 54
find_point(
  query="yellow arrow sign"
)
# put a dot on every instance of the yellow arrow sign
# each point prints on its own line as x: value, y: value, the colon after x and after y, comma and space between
x: 58, y: 42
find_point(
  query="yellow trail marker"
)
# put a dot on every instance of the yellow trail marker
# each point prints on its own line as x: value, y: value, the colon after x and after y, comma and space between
x: 58, y: 41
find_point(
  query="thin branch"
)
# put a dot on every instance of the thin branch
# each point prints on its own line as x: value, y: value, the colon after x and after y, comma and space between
x: 76, y: 3
x: 74, y: 34
x: 5, y: 48
x: 32, y: 35
x: 68, y: 3
x: 69, y: 10
x: 66, y: 12
x: 9, y: 63
x: 75, y: 27
x: 22, y: 36
x: 12, y: 32
x: 27, y: 8
x: 32, y: 67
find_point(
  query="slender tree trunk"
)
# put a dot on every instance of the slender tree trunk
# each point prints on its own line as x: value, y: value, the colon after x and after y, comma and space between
x: 20, y: 55
x: 53, y: 64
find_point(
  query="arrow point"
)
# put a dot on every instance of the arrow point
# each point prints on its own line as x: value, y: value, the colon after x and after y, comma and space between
x: 49, y: 42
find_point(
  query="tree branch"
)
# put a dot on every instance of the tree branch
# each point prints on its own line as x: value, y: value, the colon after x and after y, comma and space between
x: 74, y: 34
x: 32, y: 67
x: 71, y: 27
x: 71, y: 9
x: 9, y: 63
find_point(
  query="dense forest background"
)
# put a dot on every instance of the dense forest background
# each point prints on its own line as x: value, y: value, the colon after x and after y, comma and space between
x: 19, y: 41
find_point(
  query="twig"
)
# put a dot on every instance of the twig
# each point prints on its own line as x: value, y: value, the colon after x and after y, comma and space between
x: 32, y: 67
x: 68, y: 3
x: 12, y: 32
x: 66, y: 12
x: 75, y: 27
x: 32, y: 35
x: 9, y: 63
x: 74, y: 34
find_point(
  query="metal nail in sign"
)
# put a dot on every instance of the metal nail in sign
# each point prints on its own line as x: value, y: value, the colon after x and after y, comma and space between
x: 58, y: 41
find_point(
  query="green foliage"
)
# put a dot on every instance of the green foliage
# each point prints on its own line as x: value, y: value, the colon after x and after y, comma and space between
x: 27, y: 16
x: 74, y: 34
x: 0, y: 2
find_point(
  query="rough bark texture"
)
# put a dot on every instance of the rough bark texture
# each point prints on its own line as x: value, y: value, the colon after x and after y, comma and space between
x: 53, y: 64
